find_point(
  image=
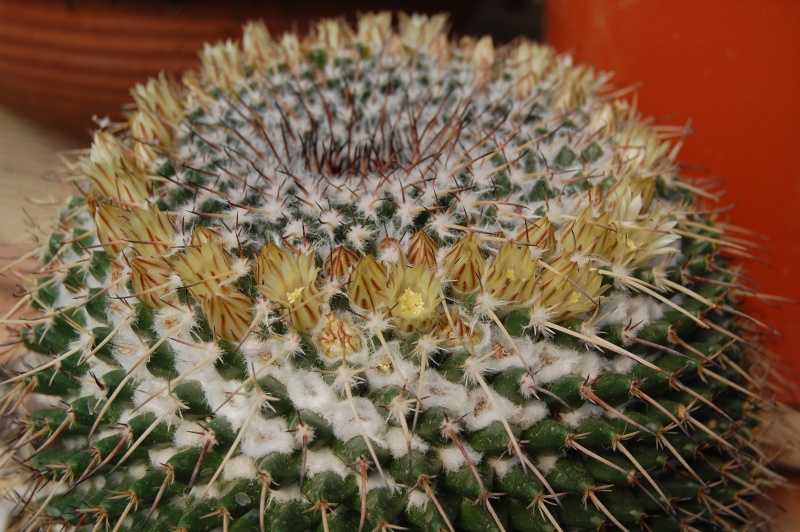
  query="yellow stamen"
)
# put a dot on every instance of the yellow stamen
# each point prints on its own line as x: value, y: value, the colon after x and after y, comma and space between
x: 291, y: 297
x: 411, y: 304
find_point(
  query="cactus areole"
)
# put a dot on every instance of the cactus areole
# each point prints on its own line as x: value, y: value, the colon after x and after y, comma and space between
x: 374, y: 278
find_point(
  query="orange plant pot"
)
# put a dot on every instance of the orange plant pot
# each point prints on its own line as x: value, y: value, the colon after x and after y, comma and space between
x: 733, y: 68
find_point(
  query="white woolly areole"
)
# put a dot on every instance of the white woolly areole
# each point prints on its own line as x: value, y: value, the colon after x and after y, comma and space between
x: 396, y: 441
x: 404, y: 372
x: 240, y: 466
x: 187, y: 434
x: 552, y: 363
x: 152, y: 395
x: 375, y: 482
x: 545, y: 462
x: 483, y: 412
x: 288, y: 494
x: 531, y: 413
x: 267, y: 436
x: 417, y: 499
x: 438, y: 391
x: 159, y: 457
x: 574, y: 417
x: 194, y: 356
x: 453, y: 459
x: 307, y: 390
x: 227, y: 399
x: 622, y: 364
x: 346, y: 426
x: 503, y: 466
x: 635, y: 311
x: 324, y: 460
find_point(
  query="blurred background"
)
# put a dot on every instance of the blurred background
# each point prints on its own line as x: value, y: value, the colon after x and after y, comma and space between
x: 730, y: 69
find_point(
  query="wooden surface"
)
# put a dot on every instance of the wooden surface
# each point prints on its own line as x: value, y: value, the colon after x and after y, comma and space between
x: 28, y: 179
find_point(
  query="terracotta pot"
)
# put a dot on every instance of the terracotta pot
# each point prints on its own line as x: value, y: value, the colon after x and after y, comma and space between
x: 63, y: 61
x: 733, y: 68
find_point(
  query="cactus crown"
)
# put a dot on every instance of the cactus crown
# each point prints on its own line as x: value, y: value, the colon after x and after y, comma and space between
x: 375, y: 278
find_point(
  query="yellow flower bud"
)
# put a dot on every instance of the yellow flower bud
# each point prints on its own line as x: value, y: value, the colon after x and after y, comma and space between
x: 465, y: 264
x: 367, y: 285
x: 108, y: 222
x: 205, y: 269
x: 150, y: 280
x: 339, y: 263
x: 422, y: 250
x: 538, y: 233
x: 338, y: 338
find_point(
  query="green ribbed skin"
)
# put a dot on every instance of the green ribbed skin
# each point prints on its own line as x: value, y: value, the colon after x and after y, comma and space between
x: 375, y: 279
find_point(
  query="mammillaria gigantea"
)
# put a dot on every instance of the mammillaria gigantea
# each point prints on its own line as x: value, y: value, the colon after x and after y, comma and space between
x: 375, y: 278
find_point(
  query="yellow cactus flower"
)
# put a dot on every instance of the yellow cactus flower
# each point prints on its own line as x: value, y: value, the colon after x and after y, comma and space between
x: 149, y: 231
x: 151, y: 137
x: 290, y: 280
x: 572, y: 291
x: 112, y: 172
x: 538, y: 233
x: 205, y: 269
x: 511, y: 276
x: 413, y: 297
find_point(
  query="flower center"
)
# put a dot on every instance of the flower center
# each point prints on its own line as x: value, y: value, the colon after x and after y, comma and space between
x: 291, y: 297
x: 411, y: 304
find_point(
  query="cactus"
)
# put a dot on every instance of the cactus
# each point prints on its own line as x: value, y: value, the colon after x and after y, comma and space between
x: 375, y: 278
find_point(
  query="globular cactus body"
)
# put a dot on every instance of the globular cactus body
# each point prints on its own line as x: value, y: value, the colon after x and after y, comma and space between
x: 375, y: 278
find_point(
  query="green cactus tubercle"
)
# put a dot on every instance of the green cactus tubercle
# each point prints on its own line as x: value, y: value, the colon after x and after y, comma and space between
x: 375, y: 278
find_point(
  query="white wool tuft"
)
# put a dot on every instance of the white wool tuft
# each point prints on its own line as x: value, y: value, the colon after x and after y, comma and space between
x: 554, y: 362
x: 266, y: 436
x: 503, y: 466
x: 574, y: 418
x: 191, y: 354
x: 307, y: 390
x: 396, y: 441
x: 227, y: 399
x: 175, y: 321
x: 239, y: 466
x: 152, y: 395
x: 188, y: 434
x: 453, y: 459
x: 530, y: 414
x: 438, y: 391
x: 622, y: 364
x: 545, y: 462
x: 159, y: 457
x: 345, y: 425
x: 482, y: 411
x: 375, y: 482
x: 417, y: 499
x: 324, y: 460
x: 287, y: 494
